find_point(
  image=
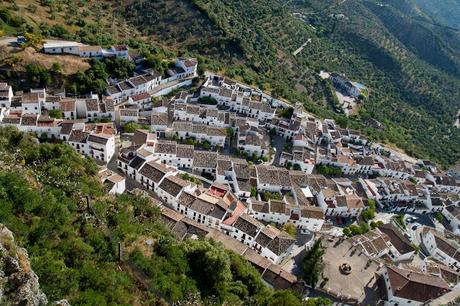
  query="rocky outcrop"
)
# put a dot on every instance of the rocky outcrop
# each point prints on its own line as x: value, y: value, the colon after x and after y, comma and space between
x: 18, y: 283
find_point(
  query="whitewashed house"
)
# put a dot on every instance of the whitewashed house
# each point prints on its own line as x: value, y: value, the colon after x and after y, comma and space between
x: 6, y: 94
x: 62, y: 47
x: 113, y: 182
x: 304, y: 217
x: 452, y: 215
x: 445, y: 250
x: 273, y: 244
x: 407, y: 287
x: 171, y: 187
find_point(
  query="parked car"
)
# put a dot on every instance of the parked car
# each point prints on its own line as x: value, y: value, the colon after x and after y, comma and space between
x: 411, y: 219
x: 415, y: 226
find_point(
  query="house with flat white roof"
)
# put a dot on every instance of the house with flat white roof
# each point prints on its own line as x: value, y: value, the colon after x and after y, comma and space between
x: 62, y: 47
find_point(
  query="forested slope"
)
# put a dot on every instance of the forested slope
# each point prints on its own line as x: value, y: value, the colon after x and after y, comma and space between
x: 446, y: 12
x: 73, y: 247
x: 411, y: 65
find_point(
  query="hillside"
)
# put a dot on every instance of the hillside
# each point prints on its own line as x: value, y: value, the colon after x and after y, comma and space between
x: 18, y: 283
x: 411, y: 66
x: 446, y: 12
x: 54, y: 204
x: 409, y: 61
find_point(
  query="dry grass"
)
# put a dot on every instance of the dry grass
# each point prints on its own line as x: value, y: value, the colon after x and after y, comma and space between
x: 8, y: 244
x: 24, y: 261
x: 69, y: 64
x: 141, y: 244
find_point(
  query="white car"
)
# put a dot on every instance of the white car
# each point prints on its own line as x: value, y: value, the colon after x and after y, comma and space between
x: 411, y: 219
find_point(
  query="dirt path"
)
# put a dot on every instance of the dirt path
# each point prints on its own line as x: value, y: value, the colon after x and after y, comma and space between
x: 301, y: 47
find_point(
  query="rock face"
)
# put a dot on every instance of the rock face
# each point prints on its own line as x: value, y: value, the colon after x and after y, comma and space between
x: 18, y: 283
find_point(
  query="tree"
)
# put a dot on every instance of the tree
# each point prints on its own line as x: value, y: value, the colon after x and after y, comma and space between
x: 369, y: 213
x: 374, y: 224
x: 290, y: 229
x: 400, y: 220
x: 206, y: 145
x: 32, y: 8
x: 209, y: 264
x: 320, y: 301
x: 438, y: 216
x: 43, y: 137
x: 131, y: 127
x: 55, y: 113
x: 207, y: 100
x: 356, y: 229
x: 284, y: 298
x: 33, y: 40
x: 328, y: 170
x: 285, y: 112
x: 38, y: 75
x: 229, y: 134
x: 312, y: 264
x: 190, y: 141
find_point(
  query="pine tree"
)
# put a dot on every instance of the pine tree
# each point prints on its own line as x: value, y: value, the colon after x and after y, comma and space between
x: 312, y: 264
